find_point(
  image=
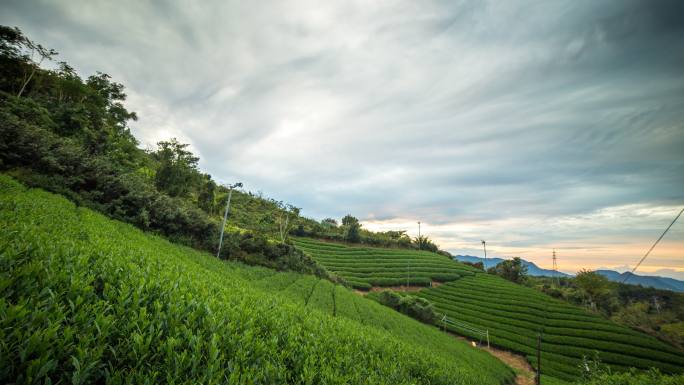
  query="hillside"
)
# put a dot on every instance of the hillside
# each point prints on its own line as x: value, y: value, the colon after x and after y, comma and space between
x: 89, y: 300
x: 663, y: 283
x: 513, y: 314
x: 363, y: 267
x: 657, y: 282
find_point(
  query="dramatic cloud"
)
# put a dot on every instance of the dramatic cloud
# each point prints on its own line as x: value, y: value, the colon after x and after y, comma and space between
x: 531, y: 124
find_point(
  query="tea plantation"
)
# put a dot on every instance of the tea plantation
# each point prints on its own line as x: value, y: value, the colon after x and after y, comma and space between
x: 363, y: 267
x: 85, y: 299
x: 514, y: 315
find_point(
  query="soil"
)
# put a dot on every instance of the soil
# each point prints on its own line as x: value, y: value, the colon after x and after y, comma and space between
x: 523, y: 369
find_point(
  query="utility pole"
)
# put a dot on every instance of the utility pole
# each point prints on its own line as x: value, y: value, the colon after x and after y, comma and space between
x: 484, y: 245
x: 225, y: 215
x: 418, y: 229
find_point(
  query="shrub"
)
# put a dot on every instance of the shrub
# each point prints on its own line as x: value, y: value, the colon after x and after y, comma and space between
x: 415, y: 307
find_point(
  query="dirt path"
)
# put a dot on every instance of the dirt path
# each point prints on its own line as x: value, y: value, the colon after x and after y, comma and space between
x: 523, y: 370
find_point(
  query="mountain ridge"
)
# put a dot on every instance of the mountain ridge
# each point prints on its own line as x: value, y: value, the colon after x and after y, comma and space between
x: 654, y: 281
x: 532, y: 268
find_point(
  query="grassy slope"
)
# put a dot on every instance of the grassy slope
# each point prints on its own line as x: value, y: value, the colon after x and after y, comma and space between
x: 512, y: 313
x: 364, y: 267
x: 86, y: 299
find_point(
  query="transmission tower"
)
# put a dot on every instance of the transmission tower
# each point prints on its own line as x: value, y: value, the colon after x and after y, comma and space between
x: 555, y: 268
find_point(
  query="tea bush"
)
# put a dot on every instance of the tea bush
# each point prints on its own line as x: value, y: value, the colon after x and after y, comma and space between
x: 85, y: 299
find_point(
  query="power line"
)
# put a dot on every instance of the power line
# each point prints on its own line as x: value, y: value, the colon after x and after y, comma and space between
x: 652, y: 247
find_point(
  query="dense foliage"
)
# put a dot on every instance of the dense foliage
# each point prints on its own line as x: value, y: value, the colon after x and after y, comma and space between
x: 84, y: 299
x: 633, y: 377
x: 511, y: 269
x: 515, y: 315
x: 594, y: 372
x: 71, y: 136
x: 364, y: 267
x: 416, y: 307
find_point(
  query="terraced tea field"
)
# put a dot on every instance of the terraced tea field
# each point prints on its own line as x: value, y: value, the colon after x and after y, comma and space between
x: 364, y: 267
x: 514, y: 315
x: 85, y: 299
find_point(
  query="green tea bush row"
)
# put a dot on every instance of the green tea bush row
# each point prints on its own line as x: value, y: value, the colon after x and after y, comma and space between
x: 345, y: 303
x: 89, y: 300
x: 322, y: 297
x: 366, y: 267
x: 514, y: 315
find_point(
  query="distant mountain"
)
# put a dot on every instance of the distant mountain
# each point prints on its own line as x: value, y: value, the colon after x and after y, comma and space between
x: 532, y: 269
x: 664, y: 283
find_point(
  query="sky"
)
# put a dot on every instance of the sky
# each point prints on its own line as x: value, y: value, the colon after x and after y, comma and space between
x: 533, y: 125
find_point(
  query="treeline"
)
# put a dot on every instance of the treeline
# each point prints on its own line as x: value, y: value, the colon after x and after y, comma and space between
x: 350, y: 230
x: 71, y: 136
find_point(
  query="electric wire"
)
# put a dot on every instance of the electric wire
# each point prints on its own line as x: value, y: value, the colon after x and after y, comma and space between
x: 652, y: 247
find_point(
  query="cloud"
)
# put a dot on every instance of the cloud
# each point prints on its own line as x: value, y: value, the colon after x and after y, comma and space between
x: 517, y: 117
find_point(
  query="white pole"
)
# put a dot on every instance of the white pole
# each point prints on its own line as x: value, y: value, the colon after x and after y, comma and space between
x: 225, y: 217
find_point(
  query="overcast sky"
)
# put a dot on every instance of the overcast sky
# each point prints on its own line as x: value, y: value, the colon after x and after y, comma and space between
x: 532, y: 125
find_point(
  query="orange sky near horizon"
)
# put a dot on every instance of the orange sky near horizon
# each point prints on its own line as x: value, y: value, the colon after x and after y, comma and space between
x: 580, y: 242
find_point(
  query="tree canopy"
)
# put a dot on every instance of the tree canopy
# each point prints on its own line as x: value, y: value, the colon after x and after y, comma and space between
x: 511, y: 269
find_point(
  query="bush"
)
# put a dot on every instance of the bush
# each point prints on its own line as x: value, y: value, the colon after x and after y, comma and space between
x: 632, y: 377
x: 390, y: 299
x: 415, y: 307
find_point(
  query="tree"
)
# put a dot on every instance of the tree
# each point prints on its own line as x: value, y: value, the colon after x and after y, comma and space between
x: 352, y: 229
x: 285, y: 212
x: 510, y: 269
x: 329, y: 222
x: 594, y: 284
x: 424, y: 243
x: 14, y: 45
x: 207, y: 195
x: 349, y: 220
x: 177, y: 172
